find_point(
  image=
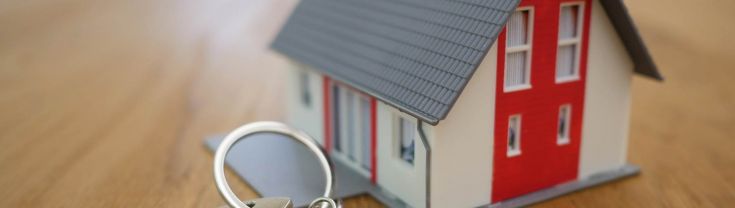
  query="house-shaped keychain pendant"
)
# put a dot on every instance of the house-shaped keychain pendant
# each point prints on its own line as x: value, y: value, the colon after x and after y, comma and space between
x: 466, y: 103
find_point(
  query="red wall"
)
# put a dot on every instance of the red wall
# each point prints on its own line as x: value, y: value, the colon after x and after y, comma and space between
x: 542, y: 162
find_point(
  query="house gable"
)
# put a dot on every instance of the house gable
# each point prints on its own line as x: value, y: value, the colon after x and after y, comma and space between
x: 623, y: 24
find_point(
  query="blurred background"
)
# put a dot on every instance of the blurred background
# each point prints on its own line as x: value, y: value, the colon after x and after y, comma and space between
x: 107, y: 103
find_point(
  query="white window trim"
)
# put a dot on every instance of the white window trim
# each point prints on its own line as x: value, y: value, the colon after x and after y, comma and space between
x: 577, y: 40
x: 517, y: 88
x: 397, y: 139
x: 528, y: 47
x: 514, y: 152
x: 567, y: 129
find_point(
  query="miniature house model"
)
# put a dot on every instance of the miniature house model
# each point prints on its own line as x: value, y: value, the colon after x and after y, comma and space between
x: 469, y: 102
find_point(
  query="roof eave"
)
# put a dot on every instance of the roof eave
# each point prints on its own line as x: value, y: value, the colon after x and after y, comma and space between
x: 632, y: 40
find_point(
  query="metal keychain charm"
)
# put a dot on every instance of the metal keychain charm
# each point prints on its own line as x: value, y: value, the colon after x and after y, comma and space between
x: 271, y: 127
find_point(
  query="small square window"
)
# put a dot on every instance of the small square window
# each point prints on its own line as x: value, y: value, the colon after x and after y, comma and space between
x: 514, y: 136
x: 304, y: 92
x: 562, y: 132
x: 406, y: 139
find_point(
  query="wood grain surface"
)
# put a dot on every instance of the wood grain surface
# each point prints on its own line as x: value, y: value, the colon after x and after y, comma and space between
x: 106, y: 103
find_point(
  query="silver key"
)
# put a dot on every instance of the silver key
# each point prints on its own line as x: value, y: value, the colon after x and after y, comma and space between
x: 277, y: 202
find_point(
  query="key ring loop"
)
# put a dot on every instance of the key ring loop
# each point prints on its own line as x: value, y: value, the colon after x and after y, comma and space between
x: 266, y: 127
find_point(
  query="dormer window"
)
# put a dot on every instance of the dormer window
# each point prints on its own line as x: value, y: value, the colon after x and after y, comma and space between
x: 518, y: 50
x: 570, y: 30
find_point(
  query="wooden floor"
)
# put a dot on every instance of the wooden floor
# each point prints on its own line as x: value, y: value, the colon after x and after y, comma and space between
x: 106, y: 103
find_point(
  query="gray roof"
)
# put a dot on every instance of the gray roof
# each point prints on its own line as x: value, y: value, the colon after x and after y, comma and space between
x: 416, y: 55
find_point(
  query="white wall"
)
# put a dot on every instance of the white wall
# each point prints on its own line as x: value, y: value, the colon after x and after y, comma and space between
x: 462, y: 159
x: 395, y: 176
x: 607, y: 98
x: 307, y: 118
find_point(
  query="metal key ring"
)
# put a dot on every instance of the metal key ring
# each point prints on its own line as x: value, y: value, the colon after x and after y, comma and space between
x: 266, y: 127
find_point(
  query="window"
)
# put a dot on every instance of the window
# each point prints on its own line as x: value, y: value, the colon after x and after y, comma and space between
x: 349, y: 123
x: 346, y: 121
x: 336, y: 118
x: 514, y: 135
x: 304, y: 92
x: 351, y: 127
x: 366, y: 134
x: 406, y: 134
x: 570, y: 28
x: 518, y: 50
x: 565, y: 113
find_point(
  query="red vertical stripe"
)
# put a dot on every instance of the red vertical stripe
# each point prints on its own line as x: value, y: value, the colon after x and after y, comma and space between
x: 542, y: 163
x: 585, y: 40
x: 373, y: 141
x: 327, y: 116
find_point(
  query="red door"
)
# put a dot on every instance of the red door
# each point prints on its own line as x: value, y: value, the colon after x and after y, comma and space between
x: 538, y: 125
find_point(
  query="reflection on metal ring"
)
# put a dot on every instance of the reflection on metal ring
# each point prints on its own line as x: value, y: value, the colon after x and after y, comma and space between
x: 266, y: 127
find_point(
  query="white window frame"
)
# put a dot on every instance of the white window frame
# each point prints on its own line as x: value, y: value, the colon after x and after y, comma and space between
x: 512, y: 152
x: 528, y: 47
x: 567, y: 129
x: 574, y: 41
x: 397, y: 134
